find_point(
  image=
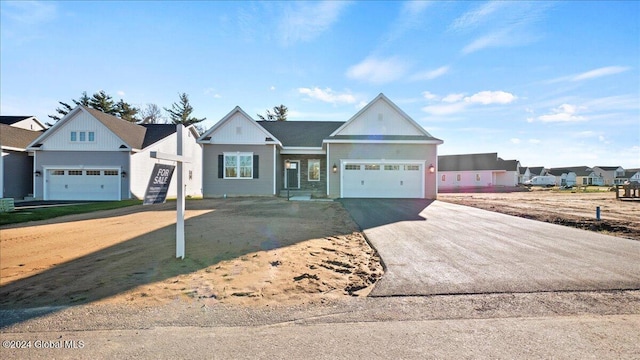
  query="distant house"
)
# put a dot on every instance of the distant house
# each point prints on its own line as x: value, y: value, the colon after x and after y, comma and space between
x: 90, y: 155
x: 585, y: 176
x: 564, y: 177
x: 537, y: 171
x: 524, y: 174
x: 476, y: 170
x: 16, y: 164
x: 23, y: 122
x: 633, y: 175
x: 611, y: 175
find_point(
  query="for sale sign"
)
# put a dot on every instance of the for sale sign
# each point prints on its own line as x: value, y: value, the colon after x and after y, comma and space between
x: 158, y: 184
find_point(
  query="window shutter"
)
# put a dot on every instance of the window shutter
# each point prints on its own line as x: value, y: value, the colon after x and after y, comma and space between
x: 256, y: 166
x: 220, y: 166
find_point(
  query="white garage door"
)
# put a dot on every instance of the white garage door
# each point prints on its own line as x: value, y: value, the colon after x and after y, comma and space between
x: 85, y: 184
x: 380, y: 180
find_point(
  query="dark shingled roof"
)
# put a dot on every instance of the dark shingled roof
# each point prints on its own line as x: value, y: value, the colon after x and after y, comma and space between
x: 16, y: 137
x: 301, y: 133
x: 10, y: 120
x: 579, y: 170
x: 608, y: 168
x: 468, y: 162
x: 157, y: 132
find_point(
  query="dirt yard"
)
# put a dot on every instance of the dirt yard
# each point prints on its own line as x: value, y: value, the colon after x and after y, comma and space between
x: 248, y: 251
x: 576, y: 209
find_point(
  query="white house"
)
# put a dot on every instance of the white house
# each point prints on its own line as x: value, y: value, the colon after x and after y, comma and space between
x: 476, y: 171
x: 90, y: 155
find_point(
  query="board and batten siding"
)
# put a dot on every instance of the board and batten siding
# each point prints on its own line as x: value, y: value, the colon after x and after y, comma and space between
x: 380, y: 119
x: 238, y: 130
x: 380, y: 151
x: 105, y: 139
x: 213, y: 186
x: 80, y: 160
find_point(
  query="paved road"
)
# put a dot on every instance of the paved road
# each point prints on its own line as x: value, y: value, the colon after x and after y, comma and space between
x: 594, y: 337
x: 433, y: 247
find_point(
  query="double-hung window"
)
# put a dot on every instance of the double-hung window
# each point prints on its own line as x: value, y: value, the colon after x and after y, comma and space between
x: 238, y: 166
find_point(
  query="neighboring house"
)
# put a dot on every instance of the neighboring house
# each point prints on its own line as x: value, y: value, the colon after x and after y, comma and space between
x: 379, y: 152
x: 524, y: 175
x: 16, y: 164
x: 23, y: 122
x: 564, y: 177
x: 633, y: 175
x: 611, y: 175
x: 585, y: 176
x: 476, y: 170
x: 90, y: 155
x: 537, y: 171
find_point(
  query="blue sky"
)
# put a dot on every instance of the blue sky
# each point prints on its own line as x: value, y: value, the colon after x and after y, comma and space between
x: 548, y: 83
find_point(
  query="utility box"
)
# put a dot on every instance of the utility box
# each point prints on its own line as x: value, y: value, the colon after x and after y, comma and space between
x: 7, y: 205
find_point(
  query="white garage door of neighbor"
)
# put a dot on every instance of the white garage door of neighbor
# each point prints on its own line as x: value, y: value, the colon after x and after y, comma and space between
x: 379, y: 180
x: 85, y: 184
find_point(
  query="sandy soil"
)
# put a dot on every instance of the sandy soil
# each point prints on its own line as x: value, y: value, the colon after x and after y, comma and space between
x: 247, y: 251
x: 576, y: 209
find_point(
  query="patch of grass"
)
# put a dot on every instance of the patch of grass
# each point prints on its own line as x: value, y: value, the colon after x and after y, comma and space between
x: 20, y: 216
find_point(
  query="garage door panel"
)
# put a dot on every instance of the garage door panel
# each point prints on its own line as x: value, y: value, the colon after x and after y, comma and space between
x: 93, y: 184
x: 380, y: 180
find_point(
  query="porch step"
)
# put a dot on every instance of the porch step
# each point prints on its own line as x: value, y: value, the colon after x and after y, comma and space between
x: 316, y: 194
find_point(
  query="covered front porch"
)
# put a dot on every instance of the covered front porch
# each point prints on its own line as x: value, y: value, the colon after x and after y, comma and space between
x: 303, y: 175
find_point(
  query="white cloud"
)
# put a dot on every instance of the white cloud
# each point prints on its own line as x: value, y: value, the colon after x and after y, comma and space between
x: 430, y: 74
x: 501, y: 24
x: 457, y: 102
x: 563, y: 113
x: 515, y: 141
x: 445, y: 109
x: 327, y: 95
x: 272, y: 88
x: 305, y: 21
x: 534, y: 141
x: 120, y: 93
x: 596, y: 73
x: 377, y: 71
x: 473, y: 18
x: 451, y: 98
x: 491, y: 97
x: 30, y: 12
x: 430, y: 96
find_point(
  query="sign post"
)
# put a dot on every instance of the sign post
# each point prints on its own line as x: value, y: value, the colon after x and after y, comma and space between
x: 180, y: 203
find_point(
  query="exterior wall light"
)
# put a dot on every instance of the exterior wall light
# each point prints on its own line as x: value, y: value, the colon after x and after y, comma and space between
x: 37, y: 173
x: 432, y: 169
x: 287, y: 164
x: 124, y: 174
x: 334, y: 168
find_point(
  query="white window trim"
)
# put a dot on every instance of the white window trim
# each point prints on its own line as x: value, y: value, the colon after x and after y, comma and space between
x: 237, y: 155
x: 309, y: 170
x: 86, y: 136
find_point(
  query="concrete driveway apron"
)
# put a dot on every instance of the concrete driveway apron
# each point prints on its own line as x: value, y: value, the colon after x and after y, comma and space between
x: 433, y: 247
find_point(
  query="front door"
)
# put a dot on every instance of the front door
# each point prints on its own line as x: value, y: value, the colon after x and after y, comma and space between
x: 292, y: 174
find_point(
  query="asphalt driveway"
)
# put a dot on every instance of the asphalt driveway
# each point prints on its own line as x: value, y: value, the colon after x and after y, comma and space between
x: 433, y: 247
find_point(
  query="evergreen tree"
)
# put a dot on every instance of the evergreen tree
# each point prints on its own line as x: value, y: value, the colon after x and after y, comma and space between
x: 103, y: 102
x: 279, y: 114
x: 180, y: 113
x: 127, y: 112
x: 99, y: 101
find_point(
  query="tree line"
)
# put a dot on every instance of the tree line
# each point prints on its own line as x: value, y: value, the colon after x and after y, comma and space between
x: 178, y: 113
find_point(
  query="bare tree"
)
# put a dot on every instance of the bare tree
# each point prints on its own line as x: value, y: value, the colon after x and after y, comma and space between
x: 279, y: 114
x: 151, y: 114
